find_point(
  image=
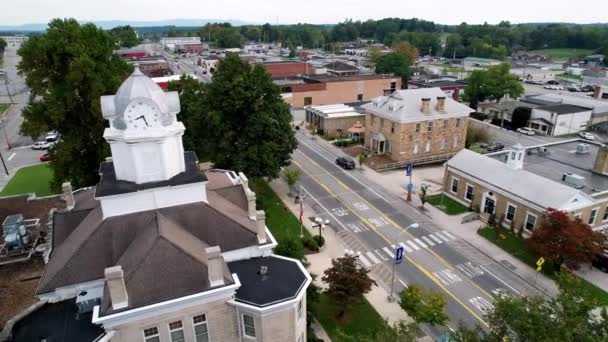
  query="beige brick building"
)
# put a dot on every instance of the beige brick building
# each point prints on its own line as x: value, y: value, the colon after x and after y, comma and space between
x: 315, y: 90
x: 519, y: 185
x: 160, y: 251
x: 416, y: 126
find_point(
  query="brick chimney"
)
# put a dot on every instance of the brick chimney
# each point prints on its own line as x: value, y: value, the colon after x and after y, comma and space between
x: 426, y: 105
x: 260, y: 226
x: 440, y: 104
x: 115, y: 281
x: 68, y: 195
x: 251, y: 210
x: 215, y: 266
x: 601, y: 161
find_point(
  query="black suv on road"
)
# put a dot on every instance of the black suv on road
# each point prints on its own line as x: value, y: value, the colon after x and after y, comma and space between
x: 345, y: 163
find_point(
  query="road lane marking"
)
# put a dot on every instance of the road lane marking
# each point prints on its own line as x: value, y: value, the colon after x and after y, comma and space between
x: 481, y: 304
x: 12, y: 156
x: 427, y: 240
x: 389, y: 252
x: 470, y: 269
x: 415, y: 246
x: 380, y: 255
x: 410, y: 260
x: 323, y: 207
x: 422, y: 244
x: 439, y: 241
x: 407, y: 249
x: 449, y: 235
x: 372, y: 258
x: 402, y: 283
x: 499, y: 279
x: 442, y: 237
x: 447, y: 277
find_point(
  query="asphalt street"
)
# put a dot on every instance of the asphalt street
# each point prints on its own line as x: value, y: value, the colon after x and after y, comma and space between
x: 372, y: 222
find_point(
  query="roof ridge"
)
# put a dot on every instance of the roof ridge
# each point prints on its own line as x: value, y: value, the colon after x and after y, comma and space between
x: 188, y: 241
x: 129, y: 274
x: 214, y: 208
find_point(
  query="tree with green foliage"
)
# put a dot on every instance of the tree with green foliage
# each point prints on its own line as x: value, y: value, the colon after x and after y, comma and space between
x: 562, y: 240
x: 397, y: 63
x: 229, y: 37
x: 476, y: 89
x: 291, y: 175
x: 239, y: 121
x: 423, y: 305
x: 492, y: 84
x: 290, y: 247
x: 520, y: 117
x: 3, y: 45
x: 347, y: 282
x: 573, y: 316
x: 191, y: 93
x: 67, y: 69
x: 126, y: 36
x: 398, y: 332
x: 374, y: 54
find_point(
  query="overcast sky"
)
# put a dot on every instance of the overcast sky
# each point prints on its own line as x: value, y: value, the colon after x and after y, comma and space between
x: 312, y: 11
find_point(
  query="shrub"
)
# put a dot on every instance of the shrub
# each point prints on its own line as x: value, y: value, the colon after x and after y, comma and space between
x: 320, y: 240
x: 291, y: 248
x: 310, y: 243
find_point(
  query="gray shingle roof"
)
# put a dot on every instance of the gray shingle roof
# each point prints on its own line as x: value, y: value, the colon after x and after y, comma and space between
x: 406, y: 105
x: 528, y: 186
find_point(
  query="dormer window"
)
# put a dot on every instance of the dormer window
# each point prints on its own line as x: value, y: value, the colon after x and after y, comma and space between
x: 390, y: 108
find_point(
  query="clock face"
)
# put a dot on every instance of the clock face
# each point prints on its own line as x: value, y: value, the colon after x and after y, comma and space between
x: 142, y: 115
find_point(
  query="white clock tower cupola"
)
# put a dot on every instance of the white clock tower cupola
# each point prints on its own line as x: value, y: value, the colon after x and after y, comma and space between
x: 144, y: 134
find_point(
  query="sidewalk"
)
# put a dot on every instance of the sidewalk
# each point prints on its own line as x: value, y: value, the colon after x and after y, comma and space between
x: 468, y: 232
x: 334, y: 248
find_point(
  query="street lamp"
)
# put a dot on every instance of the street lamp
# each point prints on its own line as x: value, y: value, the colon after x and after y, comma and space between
x: 392, y: 298
x: 320, y: 224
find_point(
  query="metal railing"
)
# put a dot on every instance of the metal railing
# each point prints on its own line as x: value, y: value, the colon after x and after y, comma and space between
x: 418, y: 161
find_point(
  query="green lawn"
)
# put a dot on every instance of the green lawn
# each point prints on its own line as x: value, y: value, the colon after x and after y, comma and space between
x: 566, y: 75
x: 364, y: 319
x: 36, y: 179
x: 3, y: 107
x: 446, y: 204
x: 562, y: 54
x: 515, y: 246
x: 281, y: 222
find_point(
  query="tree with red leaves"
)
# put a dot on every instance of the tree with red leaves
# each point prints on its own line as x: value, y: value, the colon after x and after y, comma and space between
x: 561, y: 240
x: 347, y: 281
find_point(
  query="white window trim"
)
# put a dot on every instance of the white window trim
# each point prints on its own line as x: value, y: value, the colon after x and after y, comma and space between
x: 205, y: 323
x: 143, y: 334
x: 597, y: 210
x: 427, y: 146
x: 243, y: 326
x: 526, y: 221
x: 465, y: 192
x: 452, y: 185
x: 605, y: 210
x: 578, y: 215
x: 170, y: 330
x: 509, y: 204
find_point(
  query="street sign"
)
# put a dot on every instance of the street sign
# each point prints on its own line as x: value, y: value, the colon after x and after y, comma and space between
x: 408, y: 169
x: 399, y: 255
x: 540, y: 261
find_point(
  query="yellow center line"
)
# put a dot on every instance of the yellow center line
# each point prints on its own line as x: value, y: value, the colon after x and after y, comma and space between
x: 418, y: 266
x: 401, y: 229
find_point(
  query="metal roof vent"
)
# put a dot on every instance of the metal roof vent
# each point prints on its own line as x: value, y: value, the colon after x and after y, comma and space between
x: 574, y: 180
x: 263, y: 270
x: 582, y: 149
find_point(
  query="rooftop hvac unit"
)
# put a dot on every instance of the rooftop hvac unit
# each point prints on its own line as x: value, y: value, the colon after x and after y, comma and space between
x: 15, y: 234
x: 582, y: 149
x: 575, y: 181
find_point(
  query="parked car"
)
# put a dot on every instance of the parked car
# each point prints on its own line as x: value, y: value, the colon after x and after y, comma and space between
x: 45, y: 157
x: 558, y: 87
x: 587, y: 89
x: 495, y: 147
x: 51, y: 136
x: 41, y: 145
x: 586, y: 135
x: 601, y: 261
x: 345, y: 163
x: 526, y: 131
x: 553, y: 82
x: 573, y: 89
x: 549, y: 86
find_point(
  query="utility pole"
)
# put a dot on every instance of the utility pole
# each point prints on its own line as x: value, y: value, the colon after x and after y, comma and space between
x: 3, y: 164
x: 8, y: 142
x: 8, y: 91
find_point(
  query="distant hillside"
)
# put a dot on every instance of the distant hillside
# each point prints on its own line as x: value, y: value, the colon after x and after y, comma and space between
x: 108, y: 24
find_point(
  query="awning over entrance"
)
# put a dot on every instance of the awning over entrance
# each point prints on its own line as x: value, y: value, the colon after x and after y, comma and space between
x: 357, y: 128
x: 379, y: 137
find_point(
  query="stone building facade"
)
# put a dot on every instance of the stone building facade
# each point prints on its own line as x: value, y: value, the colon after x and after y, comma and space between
x: 417, y: 126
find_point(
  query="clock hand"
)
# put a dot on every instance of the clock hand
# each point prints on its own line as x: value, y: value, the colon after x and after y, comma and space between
x: 143, y: 117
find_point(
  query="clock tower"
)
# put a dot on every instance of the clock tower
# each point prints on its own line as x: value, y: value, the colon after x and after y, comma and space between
x: 144, y: 134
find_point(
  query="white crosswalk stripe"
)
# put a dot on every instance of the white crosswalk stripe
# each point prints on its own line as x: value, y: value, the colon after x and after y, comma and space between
x: 442, y: 237
x: 435, y: 238
x: 407, y: 249
x: 428, y: 241
x: 372, y: 258
x: 380, y: 255
x: 389, y: 252
x: 422, y: 244
x: 415, y: 246
x: 449, y: 235
x: 364, y: 260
